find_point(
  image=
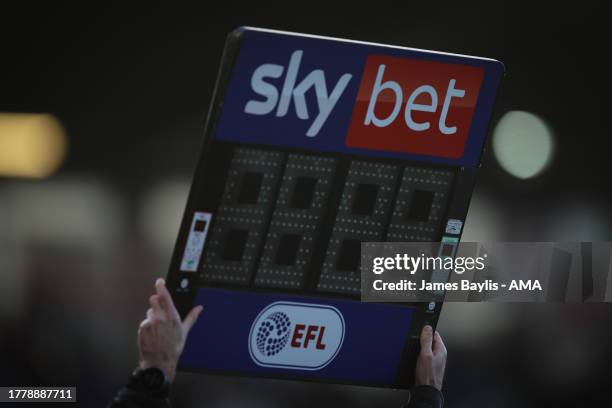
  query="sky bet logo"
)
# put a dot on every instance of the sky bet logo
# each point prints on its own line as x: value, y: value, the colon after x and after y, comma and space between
x: 403, y: 105
x: 294, y: 92
x: 300, y: 336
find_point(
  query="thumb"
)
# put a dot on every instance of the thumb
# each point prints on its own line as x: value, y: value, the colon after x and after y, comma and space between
x: 426, y: 340
x: 191, y: 318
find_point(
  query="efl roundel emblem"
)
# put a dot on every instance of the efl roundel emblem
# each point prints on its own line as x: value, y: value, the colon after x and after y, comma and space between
x: 273, y: 333
x: 298, y: 336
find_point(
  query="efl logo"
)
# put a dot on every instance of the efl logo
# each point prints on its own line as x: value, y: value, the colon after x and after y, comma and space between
x: 414, y: 106
x: 294, y: 335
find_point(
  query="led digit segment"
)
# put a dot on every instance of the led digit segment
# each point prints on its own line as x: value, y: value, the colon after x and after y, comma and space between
x: 302, y: 200
x: 242, y: 216
x: 421, y: 201
x: 362, y: 216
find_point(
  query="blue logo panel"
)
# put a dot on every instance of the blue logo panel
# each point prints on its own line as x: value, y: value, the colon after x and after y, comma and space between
x: 297, y: 337
x: 302, y: 92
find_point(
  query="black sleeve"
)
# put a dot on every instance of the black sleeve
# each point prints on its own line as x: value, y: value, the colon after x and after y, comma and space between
x: 129, y: 398
x: 425, y: 396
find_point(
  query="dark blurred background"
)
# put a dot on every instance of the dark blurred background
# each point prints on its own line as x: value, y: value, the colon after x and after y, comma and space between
x: 127, y: 88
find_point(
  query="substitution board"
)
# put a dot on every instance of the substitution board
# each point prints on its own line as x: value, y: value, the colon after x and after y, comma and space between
x: 312, y: 146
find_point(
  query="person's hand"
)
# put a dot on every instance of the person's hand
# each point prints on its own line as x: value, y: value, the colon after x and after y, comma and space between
x: 162, y: 335
x: 432, y: 359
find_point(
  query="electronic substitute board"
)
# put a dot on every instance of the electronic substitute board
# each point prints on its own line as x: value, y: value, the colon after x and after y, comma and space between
x: 312, y: 146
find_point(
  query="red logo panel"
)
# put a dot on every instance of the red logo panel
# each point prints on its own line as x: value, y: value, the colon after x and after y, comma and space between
x: 414, y: 106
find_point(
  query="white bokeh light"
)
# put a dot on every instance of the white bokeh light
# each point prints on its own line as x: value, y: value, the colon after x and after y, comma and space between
x: 523, y: 144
